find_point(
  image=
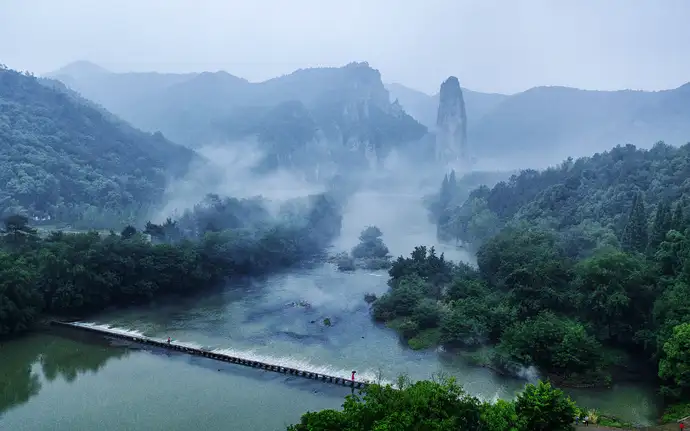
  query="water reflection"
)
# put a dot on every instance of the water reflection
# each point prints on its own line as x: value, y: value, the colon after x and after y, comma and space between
x: 28, y: 361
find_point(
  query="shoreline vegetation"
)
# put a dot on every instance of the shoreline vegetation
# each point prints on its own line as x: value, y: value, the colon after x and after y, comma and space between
x: 583, y: 272
x: 442, y: 404
x: 76, y: 274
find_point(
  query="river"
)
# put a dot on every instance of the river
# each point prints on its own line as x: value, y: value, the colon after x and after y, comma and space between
x: 65, y: 381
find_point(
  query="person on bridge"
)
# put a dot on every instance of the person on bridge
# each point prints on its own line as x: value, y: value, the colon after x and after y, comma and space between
x: 169, y: 340
x: 353, y: 375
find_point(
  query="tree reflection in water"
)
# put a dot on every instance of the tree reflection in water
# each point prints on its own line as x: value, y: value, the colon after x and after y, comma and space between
x: 27, y: 362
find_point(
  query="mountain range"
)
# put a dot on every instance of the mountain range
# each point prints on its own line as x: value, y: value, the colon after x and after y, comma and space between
x: 315, y: 119
x: 71, y: 145
x: 544, y: 125
x: 299, y: 116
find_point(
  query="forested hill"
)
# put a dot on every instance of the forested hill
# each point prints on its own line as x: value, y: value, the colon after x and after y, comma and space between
x: 65, y: 159
x: 582, y: 271
x: 590, y: 196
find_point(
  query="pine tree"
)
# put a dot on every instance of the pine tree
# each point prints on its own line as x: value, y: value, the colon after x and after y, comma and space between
x: 678, y: 218
x: 634, y: 236
x: 662, y: 224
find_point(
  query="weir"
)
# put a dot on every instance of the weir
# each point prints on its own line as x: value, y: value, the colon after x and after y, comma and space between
x: 205, y: 353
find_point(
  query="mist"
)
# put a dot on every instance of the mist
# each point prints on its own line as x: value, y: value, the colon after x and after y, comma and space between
x: 229, y: 170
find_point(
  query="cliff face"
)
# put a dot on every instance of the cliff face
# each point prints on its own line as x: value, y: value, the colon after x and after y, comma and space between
x: 451, y: 125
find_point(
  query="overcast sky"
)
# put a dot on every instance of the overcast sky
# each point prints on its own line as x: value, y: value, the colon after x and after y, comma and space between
x: 490, y: 45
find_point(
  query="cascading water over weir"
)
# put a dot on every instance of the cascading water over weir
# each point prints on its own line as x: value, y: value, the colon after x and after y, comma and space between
x: 215, y: 354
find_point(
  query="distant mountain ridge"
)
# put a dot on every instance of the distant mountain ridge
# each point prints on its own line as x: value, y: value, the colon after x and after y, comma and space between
x: 320, y: 119
x: 347, y: 117
x: 423, y: 106
x: 544, y: 125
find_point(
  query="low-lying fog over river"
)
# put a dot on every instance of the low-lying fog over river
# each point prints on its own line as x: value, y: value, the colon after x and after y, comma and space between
x: 265, y: 319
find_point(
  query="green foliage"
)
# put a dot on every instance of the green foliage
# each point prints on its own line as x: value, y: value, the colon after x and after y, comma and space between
x: 370, y: 244
x: 574, y: 274
x: 371, y: 253
x: 425, y: 339
x: 590, y: 193
x: 501, y: 416
x: 76, y: 274
x: 544, y: 408
x: 634, y: 236
x: 64, y: 160
x: 675, y: 412
x: 674, y: 365
x: 443, y: 406
x: 555, y: 344
x: 425, y: 405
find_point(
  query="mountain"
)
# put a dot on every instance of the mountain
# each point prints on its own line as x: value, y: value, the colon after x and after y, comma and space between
x: 543, y: 125
x: 339, y: 117
x: 553, y: 123
x: 424, y: 107
x: 451, y: 125
x: 65, y: 159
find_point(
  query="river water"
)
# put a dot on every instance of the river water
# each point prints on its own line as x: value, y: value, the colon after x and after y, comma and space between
x: 67, y: 381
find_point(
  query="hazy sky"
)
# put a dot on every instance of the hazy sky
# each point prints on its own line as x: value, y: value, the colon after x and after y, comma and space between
x: 491, y: 45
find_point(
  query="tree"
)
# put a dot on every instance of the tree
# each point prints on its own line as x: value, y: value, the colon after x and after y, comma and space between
x: 616, y: 292
x: 663, y: 222
x: 424, y: 405
x: 678, y: 221
x: 634, y: 236
x: 555, y: 344
x: 501, y: 416
x: 17, y: 231
x: 128, y: 232
x: 674, y: 366
x: 370, y: 245
x: 544, y: 408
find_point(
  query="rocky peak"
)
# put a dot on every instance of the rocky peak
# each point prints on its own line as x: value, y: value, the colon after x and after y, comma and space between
x: 451, y: 125
x: 364, y: 84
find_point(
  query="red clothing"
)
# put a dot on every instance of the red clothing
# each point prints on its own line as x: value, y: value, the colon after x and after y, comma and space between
x: 353, y: 376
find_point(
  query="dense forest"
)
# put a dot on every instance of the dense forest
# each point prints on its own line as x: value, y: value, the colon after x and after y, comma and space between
x: 582, y: 271
x: 76, y: 274
x: 63, y: 159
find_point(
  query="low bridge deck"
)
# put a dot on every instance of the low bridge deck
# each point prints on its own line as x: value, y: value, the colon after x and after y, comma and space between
x: 218, y: 356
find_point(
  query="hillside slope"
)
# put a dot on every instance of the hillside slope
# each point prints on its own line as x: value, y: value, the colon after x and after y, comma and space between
x: 64, y: 159
x: 558, y: 122
x: 591, y: 195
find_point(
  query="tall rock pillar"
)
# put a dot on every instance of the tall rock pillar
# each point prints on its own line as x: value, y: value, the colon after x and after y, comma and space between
x: 451, y: 126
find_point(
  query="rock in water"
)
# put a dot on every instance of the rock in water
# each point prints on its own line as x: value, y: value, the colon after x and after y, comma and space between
x: 451, y: 126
